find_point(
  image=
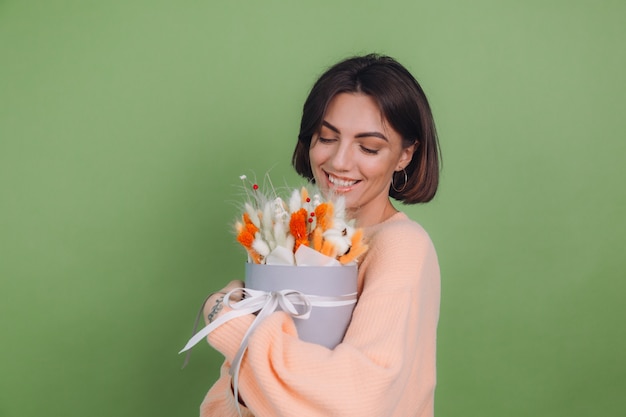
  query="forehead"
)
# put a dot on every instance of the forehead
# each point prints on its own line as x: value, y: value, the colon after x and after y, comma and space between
x: 354, y: 107
x: 353, y: 113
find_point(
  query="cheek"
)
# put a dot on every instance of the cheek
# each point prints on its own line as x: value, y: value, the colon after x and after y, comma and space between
x: 316, y: 156
x: 380, y: 170
x: 314, y: 162
x: 319, y: 157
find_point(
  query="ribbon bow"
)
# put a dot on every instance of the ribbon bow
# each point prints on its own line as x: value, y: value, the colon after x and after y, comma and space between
x: 265, y: 303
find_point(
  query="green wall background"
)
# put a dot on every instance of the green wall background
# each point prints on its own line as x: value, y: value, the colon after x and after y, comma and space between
x: 124, y: 126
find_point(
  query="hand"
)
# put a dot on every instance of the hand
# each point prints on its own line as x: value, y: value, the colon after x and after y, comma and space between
x: 214, y: 307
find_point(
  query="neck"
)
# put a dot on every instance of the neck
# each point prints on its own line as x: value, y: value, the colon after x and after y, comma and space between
x: 366, y: 218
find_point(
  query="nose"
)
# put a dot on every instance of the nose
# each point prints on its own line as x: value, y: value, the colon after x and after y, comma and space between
x: 341, y: 160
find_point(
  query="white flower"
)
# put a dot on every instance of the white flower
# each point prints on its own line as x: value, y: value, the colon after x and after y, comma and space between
x: 260, y: 245
x: 267, y: 223
x: 340, y: 207
x: 280, y: 213
x: 294, y: 201
x: 254, y: 216
x: 280, y: 234
x: 340, y: 235
x: 338, y: 239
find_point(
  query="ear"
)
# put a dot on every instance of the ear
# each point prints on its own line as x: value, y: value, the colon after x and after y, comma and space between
x: 406, y: 156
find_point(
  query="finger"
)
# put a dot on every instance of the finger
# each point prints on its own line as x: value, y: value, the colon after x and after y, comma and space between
x: 237, y: 295
x: 235, y: 284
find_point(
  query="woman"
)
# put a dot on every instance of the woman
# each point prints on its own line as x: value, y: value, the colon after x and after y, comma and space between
x: 367, y: 133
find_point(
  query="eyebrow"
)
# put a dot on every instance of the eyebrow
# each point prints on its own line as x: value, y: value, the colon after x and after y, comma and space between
x: 358, y: 135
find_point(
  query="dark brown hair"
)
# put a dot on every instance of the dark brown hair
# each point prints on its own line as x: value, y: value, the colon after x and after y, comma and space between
x: 403, y: 104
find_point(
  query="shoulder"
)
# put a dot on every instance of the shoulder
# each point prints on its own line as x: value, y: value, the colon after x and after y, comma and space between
x: 400, y: 255
x: 398, y: 232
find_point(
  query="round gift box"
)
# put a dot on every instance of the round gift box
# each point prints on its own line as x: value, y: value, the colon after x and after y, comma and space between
x: 326, y: 326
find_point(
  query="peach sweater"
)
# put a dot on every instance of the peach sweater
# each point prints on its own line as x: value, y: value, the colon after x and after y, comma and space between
x: 385, y: 365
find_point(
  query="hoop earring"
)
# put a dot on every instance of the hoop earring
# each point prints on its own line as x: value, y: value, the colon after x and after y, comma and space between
x: 406, y: 179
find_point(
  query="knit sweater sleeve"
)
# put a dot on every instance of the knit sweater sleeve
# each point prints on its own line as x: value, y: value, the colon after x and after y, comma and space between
x: 386, y: 362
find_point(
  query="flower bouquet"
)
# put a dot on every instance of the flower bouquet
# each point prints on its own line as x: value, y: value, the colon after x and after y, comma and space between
x: 306, y: 247
x: 302, y: 255
x: 273, y: 230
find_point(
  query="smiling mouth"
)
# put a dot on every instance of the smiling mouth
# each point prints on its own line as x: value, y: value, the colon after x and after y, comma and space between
x: 340, y: 182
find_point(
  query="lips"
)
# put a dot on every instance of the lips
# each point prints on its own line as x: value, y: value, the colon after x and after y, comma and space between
x: 340, y: 182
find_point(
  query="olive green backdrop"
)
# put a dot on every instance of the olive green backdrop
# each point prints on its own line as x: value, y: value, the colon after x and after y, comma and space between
x: 124, y: 126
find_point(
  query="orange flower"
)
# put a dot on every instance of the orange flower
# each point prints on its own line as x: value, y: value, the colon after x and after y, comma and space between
x: 249, y: 225
x: 328, y: 249
x: 317, y: 238
x: 297, y: 226
x: 357, y: 249
x: 245, y: 237
x: 246, y: 231
x: 305, y: 195
x: 324, y: 214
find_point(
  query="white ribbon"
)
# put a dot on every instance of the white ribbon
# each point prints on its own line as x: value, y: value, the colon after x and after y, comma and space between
x: 265, y: 303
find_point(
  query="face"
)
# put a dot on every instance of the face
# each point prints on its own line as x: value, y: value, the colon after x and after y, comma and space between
x: 355, y: 154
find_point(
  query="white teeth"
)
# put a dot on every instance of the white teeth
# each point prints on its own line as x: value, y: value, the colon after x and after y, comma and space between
x: 340, y: 183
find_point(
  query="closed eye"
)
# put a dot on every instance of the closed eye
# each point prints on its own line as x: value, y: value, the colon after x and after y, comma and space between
x: 325, y: 140
x: 369, y: 151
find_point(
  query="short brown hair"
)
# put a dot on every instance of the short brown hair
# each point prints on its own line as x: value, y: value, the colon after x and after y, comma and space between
x: 403, y: 104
